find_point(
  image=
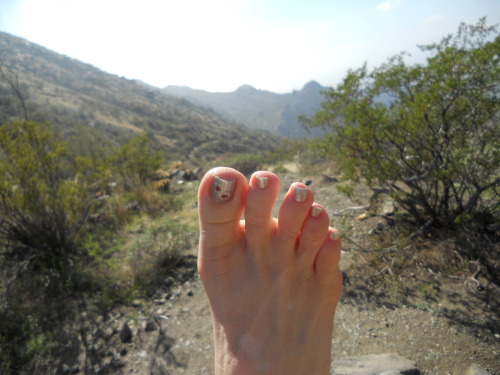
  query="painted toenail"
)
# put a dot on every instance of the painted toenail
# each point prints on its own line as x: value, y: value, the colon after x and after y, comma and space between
x: 335, y: 236
x: 262, y: 182
x: 300, y: 194
x: 316, y: 211
x: 222, y: 190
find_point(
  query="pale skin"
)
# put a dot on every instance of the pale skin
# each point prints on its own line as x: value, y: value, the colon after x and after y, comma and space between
x: 273, y: 284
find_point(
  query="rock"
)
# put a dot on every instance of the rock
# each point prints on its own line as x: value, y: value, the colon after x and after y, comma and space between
x: 107, y: 332
x: 150, y: 290
x: 379, y: 227
x: 136, y: 303
x: 375, y: 364
x: 327, y: 178
x: 168, y: 281
x: 476, y: 370
x: 388, y: 208
x: 133, y: 205
x: 198, y: 172
x: 125, y: 333
x: 70, y: 369
x: 148, y: 325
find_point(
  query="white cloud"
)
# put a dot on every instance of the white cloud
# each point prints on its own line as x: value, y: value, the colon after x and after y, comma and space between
x: 433, y: 18
x: 388, y: 5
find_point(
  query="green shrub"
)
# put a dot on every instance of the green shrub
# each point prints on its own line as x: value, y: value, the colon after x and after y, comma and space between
x: 44, y: 193
x: 426, y: 134
x: 245, y: 163
x: 135, y: 161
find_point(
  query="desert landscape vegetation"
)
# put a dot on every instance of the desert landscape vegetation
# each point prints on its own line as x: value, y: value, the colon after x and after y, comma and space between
x: 98, y: 212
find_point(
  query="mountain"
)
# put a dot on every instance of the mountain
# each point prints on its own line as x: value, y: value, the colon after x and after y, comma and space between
x: 260, y: 109
x: 73, y: 95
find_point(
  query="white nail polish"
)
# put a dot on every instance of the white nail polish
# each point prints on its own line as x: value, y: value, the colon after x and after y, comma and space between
x: 222, y: 190
x: 262, y: 182
x: 315, y: 211
x: 300, y: 194
x: 335, y: 236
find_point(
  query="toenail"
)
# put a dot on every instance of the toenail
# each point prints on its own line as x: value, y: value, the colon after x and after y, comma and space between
x: 262, y: 182
x: 335, y: 236
x: 300, y: 194
x: 316, y: 211
x: 222, y: 190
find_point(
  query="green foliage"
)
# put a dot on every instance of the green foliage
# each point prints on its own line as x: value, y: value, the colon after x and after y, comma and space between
x: 245, y: 163
x: 288, y: 150
x: 157, y: 250
x: 44, y: 191
x: 429, y: 133
x: 135, y: 161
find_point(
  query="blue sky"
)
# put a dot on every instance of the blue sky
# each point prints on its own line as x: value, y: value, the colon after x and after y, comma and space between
x: 218, y: 45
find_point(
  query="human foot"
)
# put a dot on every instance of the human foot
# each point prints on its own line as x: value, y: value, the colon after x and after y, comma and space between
x: 273, y: 284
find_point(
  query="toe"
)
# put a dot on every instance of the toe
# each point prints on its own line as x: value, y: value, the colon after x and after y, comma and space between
x: 262, y: 193
x: 328, y: 258
x: 293, y: 212
x: 221, y: 198
x: 313, y: 234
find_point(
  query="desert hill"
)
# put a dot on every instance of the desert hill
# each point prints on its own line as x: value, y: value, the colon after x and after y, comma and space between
x: 71, y: 94
x: 260, y: 109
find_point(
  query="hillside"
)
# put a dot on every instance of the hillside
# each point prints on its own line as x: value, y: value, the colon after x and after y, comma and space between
x: 260, y: 109
x: 71, y: 94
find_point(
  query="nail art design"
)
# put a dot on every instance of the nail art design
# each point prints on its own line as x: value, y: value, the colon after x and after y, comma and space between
x: 300, y: 194
x: 222, y: 190
x: 335, y: 236
x: 262, y: 182
x: 315, y: 211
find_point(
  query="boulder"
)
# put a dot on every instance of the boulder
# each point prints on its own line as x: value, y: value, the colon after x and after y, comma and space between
x: 375, y: 364
x: 476, y: 370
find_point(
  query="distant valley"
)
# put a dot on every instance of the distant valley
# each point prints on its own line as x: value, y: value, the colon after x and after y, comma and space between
x: 259, y: 109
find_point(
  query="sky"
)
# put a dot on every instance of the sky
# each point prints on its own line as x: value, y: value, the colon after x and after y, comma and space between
x: 219, y: 45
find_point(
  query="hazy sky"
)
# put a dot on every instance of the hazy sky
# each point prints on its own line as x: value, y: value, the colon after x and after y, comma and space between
x: 218, y: 45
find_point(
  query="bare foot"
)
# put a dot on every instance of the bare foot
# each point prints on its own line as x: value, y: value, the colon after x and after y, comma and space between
x: 273, y: 284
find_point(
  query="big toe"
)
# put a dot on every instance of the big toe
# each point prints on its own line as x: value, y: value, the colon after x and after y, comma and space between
x: 221, y: 198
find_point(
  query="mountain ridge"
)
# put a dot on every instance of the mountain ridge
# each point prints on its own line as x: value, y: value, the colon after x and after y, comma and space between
x: 72, y: 94
x: 260, y: 109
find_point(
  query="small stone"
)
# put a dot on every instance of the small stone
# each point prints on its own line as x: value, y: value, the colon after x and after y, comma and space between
x: 190, y: 293
x: 150, y: 290
x: 375, y: 364
x: 96, y: 333
x: 126, y: 333
x: 476, y: 370
x: 149, y: 326
x: 388, y: 208
x: 107, y: 332
x: 169, y: 281
x: 66, y: 369
x: 136, y: 303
